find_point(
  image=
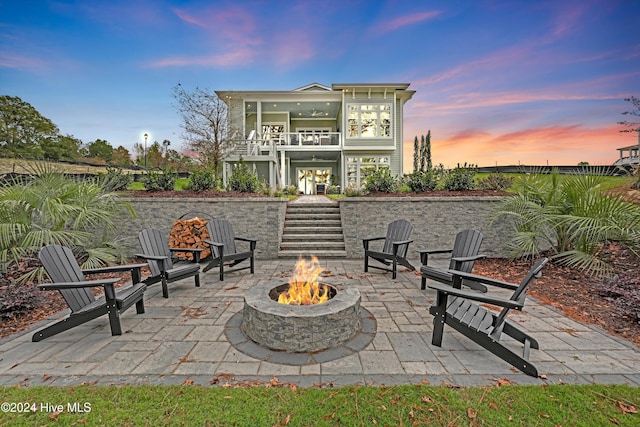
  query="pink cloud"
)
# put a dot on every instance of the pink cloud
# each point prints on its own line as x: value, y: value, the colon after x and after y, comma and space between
x: 403, y: 21
x: 20, y: 62
x: 555, y: 145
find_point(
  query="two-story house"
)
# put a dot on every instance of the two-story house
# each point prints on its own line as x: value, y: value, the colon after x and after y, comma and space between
x: 317, y: 134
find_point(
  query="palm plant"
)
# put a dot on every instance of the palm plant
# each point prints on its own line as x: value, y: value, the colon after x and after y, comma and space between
x: 572, y: 217
x: 53, y: 208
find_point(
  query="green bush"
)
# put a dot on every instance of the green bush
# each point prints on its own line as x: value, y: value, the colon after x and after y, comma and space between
x: 290, y: 190
x: 164, y: 180
x: 421, y: 181
x: 572, y: 217
x: 115, y: 179
x: 333, y: 189
x: 381, y: 181
x: 496, y: 181
x: 54, y: 208
x: 202, y: 179
x: 242, y: 179
x: 352, y: 191
x: 459, y: 178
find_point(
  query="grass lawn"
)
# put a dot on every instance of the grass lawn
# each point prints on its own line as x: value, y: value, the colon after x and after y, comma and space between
x: 609, y: 182
x: 277, y: 404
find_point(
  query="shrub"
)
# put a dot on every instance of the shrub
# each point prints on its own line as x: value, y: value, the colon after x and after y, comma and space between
x: 115, y: 179
x: 572, y: 217
x: 242, y: 179
x: 290, y: 190
x: 496, y: 181
x: 164, y: 180
x: 333, y: 189
x: 352, y: 191
x: 202, y: 179
x: 381, y: 181
x: 460, y: 178
x: 421, y: 181
x: 55, y: 208
x: 19, y: 299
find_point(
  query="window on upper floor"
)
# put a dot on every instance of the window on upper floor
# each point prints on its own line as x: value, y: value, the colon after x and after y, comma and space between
x: 369, y: 120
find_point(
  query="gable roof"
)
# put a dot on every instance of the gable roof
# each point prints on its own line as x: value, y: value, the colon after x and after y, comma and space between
x: 312, y: 87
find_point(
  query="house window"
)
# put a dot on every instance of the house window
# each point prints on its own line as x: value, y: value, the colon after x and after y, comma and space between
x: 359, y: 168
x: 369, y: 120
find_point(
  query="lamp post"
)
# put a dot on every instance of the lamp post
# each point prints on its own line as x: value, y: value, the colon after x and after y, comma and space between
x: 145, y: 150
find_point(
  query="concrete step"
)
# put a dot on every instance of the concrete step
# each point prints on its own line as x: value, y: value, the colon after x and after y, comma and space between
x: 312, y: 223
x: 300, y: 229
x: 312, y: 215
x: 322, y: 210
x: 312, y: 237
x: 317, y: 253
x: 312, y: 245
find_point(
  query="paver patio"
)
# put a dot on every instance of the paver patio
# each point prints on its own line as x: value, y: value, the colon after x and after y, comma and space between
x: 186, y: 337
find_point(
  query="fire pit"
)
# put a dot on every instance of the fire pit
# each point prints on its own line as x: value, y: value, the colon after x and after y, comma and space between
x: 299, y: 326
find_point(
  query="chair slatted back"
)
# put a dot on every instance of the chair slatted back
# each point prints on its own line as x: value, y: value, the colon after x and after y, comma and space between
x: 62, y: 266
x: 155, y: 242
x: 467, y: 244
x: 221, y: 231
x: 520, y: 293
x: 398, y: 230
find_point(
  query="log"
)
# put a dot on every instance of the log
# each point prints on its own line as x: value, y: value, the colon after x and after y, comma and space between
x: 190, y: 233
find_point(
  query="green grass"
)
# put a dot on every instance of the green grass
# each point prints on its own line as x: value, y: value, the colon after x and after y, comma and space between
x: 268, y: 405
x: 609, y: 182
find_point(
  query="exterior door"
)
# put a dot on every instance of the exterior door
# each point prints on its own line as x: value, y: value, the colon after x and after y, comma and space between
x: 308, y: 178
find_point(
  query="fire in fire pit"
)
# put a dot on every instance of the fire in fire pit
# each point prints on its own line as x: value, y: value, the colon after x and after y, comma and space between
x: 304, y: 288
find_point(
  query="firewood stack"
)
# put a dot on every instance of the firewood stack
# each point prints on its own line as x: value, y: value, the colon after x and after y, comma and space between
x: 190, y: 233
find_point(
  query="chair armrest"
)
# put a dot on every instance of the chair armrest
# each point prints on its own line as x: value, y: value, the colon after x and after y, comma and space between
x: 115, y: 268
x: 482, y: 279
x: 468, y: 258
x: 74, y: 285
x: 369, y: 239
x: 216, y: 244
x: 192, y: 250
x: 152, y: 257
x: 434, y: 251
x: 476, y: 296
x: 246, y: 239
x: 402, y: 242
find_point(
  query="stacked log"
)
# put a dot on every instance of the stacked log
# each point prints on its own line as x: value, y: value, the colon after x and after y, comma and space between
x: 190, y: 233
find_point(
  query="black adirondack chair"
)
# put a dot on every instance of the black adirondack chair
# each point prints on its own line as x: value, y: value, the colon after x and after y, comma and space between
x: 455, y: 307
x: 63, y: 269
x: 224, y: 250
x: 463, y: 255
x: 394, y: 249
x: 156, y: 250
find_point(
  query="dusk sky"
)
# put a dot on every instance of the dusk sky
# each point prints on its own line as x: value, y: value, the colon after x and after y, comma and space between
x: 497, y: 82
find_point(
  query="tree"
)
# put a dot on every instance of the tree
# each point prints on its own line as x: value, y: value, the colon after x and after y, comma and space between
x: 65, y: 147
x: 632, y: 126
x: 422, y: 152
x: 154, y: 155
x: 415, y: 154
x: 205, y: 124
x: 100, y: 149
x: 23, y: 129
x: 428, y: 150
x: 121, y: 157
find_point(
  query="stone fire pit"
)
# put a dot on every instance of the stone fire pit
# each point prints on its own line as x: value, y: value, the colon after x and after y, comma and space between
x: 300, y: 328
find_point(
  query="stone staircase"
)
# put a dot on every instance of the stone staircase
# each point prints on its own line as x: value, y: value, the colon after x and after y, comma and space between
x: 312, y: 229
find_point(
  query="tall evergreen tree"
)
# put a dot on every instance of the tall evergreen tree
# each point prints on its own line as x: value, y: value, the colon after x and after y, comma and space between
x: 415, y: 153
x: 428, y: 150
x: 422, y: 151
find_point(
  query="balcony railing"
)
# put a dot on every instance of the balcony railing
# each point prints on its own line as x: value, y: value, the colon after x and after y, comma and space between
x: 303, y: 140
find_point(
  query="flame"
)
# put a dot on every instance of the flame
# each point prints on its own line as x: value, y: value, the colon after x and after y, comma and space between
x: 304, y: 288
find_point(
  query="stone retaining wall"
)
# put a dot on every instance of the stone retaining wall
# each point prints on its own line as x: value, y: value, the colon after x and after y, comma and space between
x: 260, y: 218
x: 435, y: 220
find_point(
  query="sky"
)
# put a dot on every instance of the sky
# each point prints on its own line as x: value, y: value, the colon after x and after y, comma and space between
x: 497, y: 82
